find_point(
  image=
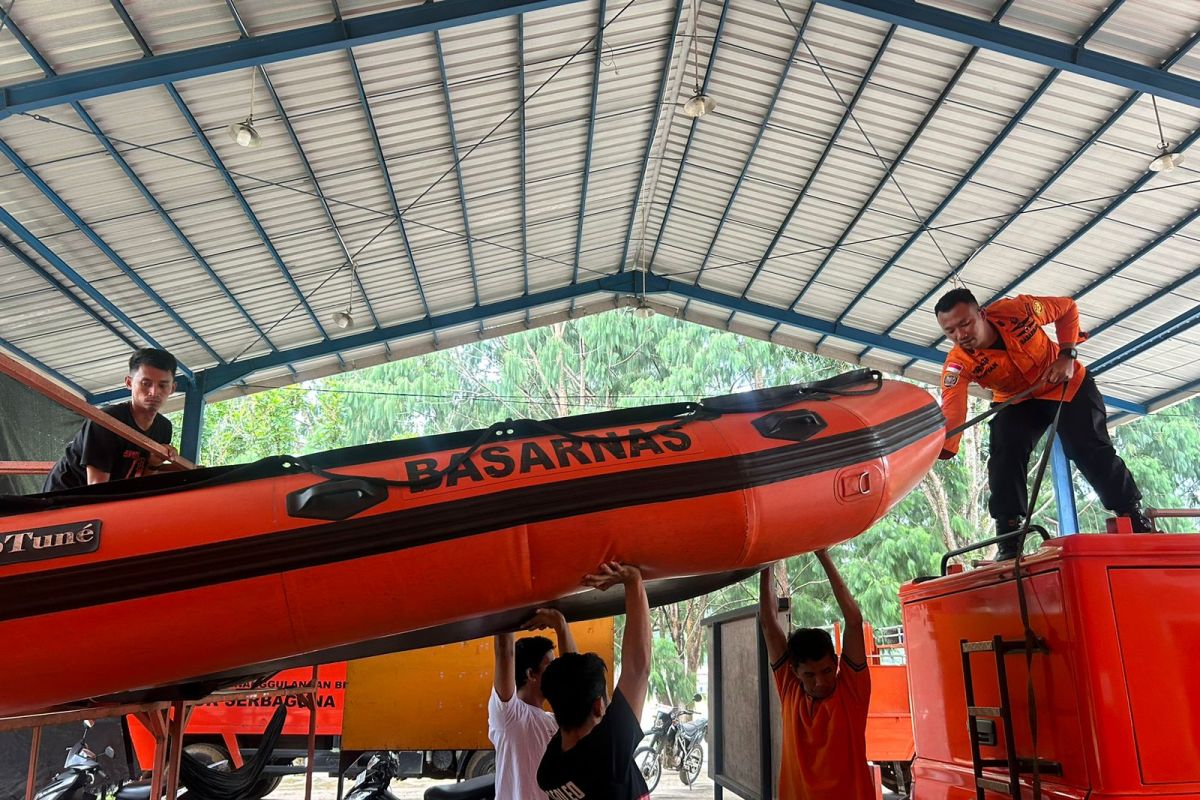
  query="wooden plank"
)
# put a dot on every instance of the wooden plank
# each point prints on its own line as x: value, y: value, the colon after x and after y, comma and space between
x: 64, y: 397
x: 26, y: 467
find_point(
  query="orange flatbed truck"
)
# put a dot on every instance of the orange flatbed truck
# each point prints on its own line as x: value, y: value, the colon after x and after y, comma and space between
x: 429, y: 704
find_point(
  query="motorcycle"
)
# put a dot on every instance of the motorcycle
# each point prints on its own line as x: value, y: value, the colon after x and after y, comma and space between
x: 82, y: 777
x: 383, y: 767
x: 673, y: 745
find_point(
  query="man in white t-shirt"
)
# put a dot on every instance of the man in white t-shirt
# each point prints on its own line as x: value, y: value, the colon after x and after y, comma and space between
x: 517, y: 724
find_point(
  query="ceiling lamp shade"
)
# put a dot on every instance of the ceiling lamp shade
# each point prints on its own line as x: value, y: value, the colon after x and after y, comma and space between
x: 699, y: 105
x: 244, y: 134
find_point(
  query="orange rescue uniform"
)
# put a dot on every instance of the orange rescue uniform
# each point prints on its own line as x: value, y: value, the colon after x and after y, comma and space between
x: 824, y: 749
x: 1027, y: 353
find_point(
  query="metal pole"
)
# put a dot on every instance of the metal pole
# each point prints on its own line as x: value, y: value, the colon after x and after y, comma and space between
x: 1064, y: 489
x: 312, y: 736
x: 175, y: 739
x: 35, y: 744
x: 193, y: 420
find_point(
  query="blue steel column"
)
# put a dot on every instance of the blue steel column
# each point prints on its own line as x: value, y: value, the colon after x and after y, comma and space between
x: 1064, y: 489
x: 193, y: 419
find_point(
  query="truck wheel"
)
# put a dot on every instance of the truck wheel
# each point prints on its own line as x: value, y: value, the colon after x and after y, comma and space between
x: 207, y: 753
x: 481, y: 762
x: 896, y: 777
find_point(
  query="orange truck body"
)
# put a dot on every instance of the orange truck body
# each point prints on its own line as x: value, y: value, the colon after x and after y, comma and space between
x: 1116, y: 696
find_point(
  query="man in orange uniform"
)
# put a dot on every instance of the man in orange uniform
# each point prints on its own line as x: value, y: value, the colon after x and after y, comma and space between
x: 1004, y: 348
x: 823, y: 755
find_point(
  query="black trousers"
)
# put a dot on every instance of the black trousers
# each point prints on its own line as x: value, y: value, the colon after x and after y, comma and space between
x: 1016, y: 429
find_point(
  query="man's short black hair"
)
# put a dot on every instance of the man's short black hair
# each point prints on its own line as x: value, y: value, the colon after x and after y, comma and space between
x: 809, y: 644
x: 572, y: 683
x: 954, y: 297
x: 529, y: 654
x: 150, y: 357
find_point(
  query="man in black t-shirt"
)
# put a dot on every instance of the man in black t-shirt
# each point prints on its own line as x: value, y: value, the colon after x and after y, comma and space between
x: 96, y: 454
x: 591, y: 756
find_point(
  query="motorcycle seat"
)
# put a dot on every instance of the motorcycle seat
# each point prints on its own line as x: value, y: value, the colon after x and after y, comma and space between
x: 690, y: 727
x: 481, y: 788
x: 138, y: 790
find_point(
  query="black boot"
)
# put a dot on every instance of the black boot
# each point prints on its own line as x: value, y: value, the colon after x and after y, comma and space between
x: 1010, y: 548
x: 1139, y: 521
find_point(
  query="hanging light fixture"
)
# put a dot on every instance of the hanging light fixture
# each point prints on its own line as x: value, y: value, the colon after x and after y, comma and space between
x: 1166, y: 161
x: 244, y: 133
x: 642, y: 310
x: 699, y: 103
x: 344, y: 319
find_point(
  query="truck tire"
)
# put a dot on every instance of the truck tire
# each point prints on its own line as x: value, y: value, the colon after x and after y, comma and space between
x: 210, y: 753
x: 481, y: 762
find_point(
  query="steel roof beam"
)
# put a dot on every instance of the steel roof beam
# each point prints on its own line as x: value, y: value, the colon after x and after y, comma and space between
x: 387, y: 179
x: 591, y: 138
x: 962, y: 184
x: 220, y: 167
x: 847, y: 115
x: 1071, y: 58
x: 99, y: 243
x: 521, y: 139
x: 267, y: 49
x: 687, y: 147
x: 656, y: 113
x: 1173, y: 396
x: 47, y: 276
x: 218, y: 377
x: 124, y: 165
x: 762, y: 130
x: 1146, y: 341
x: 462, y: 192
x: 28, y: 359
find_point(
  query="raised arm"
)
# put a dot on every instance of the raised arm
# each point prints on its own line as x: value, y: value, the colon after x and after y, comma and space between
x: 504, y: 672
x: 553, y: 618
x: 636, y: 645
x: 854, y: 645
x: 768, y: 616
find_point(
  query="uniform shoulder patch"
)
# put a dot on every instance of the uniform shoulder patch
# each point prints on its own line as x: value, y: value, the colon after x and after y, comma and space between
x: 950, y: 380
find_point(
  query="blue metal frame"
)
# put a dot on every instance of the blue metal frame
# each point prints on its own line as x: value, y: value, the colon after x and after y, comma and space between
x: 521, y: 141
x: 883, y: 181
x: 115, y: 155
x: 268, y: 49
x: 687, y: 148
x: 1187, y: 388
x: 221, y: 376
x: 219, y: 164
x: 655, y: 113
x: 762, y: 130
x: 27, y: 358
x: 1146, y: 341
x: 193, y: 420
x: 52, y: 258
x: 387, y: 178
x: 833, y: 137
x: 1064, y: 489
x: 66, y: 292
x: 198, y: 132
x: 963, y: 182
x: 462, y: 193
x: 591, y: 137
x: 1026, y: 46
x: 102, y: 246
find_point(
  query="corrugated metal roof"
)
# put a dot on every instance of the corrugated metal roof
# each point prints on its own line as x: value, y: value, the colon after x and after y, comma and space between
x: 845, y: 175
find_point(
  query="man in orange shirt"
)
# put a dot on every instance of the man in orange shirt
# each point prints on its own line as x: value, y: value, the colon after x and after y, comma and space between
x: 823, y: 704
x: 1004, y: 348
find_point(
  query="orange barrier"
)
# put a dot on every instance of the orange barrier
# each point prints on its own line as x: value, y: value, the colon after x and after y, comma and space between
x: 211, y: 569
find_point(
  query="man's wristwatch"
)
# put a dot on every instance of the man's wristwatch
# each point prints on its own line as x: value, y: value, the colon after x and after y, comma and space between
x: 1069, y: 351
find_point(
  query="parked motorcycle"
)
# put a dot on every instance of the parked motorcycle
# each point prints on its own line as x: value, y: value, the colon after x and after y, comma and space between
x: 673, y: 745
x: 82, y: 777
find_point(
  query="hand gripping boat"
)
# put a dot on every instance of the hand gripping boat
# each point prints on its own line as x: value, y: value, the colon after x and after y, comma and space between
x: 149, y: 583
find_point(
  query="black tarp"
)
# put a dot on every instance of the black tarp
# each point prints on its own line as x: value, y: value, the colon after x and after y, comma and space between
x: 56, y: 740
x: 32, y: 428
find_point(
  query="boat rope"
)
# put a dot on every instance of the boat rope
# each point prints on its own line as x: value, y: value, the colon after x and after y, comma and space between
x: 1032, y: 642
x: 705, y: 410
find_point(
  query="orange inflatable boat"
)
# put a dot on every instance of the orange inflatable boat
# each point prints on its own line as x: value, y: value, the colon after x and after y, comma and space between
x: 151, y: 582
